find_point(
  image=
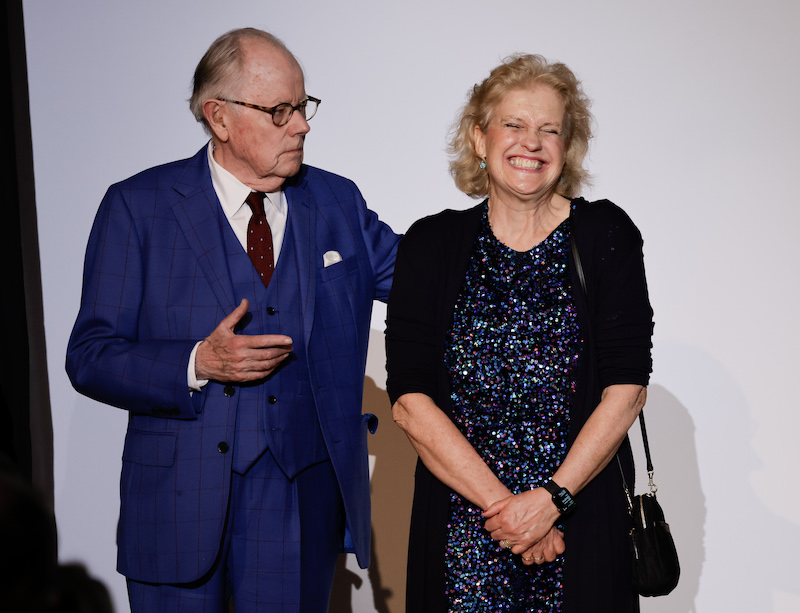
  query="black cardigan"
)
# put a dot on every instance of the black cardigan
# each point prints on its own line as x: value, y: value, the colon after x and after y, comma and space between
x: 616, y: 326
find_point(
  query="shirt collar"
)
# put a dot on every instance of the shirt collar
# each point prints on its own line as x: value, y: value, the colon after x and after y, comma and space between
x: 232, y: 193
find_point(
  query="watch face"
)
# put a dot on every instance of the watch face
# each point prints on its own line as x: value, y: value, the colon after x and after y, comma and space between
x: 561, y: 497
x: 564, y: 501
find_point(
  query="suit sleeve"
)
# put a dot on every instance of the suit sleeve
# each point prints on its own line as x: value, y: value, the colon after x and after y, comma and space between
x: 106, y: 358
x: 381, y: 243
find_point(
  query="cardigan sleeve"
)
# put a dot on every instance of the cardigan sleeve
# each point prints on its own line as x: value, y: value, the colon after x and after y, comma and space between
x: 618, y: 295
x: 411, y: 338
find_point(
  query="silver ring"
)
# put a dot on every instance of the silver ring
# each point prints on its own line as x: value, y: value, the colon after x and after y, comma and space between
x: 538, y: 559
x: 506, y: 544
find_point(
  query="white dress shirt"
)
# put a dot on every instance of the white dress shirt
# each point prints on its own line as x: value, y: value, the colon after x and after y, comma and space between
x: 232, y: 195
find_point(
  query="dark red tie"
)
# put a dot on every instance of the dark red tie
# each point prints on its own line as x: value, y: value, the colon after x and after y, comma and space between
x: 259, y: 238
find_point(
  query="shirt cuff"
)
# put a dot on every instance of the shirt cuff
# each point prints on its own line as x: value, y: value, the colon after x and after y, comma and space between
x: 195, y: 385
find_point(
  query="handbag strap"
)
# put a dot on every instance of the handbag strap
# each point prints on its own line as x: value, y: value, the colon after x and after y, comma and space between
x: 646, y: 444
x: 576, y: 258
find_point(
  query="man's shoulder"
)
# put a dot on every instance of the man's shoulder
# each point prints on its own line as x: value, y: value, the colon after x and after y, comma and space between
x: 314, y: 173
x: 164, y: 175
x: 320, y: 182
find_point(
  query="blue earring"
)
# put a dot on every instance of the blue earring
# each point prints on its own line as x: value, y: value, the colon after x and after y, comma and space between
x: 483, y: 164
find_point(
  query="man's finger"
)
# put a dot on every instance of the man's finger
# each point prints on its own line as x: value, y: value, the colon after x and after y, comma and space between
x: 271, y: 341
x: 235, y: 316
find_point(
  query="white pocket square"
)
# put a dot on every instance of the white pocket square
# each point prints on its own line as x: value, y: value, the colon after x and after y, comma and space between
x: 331, y: 257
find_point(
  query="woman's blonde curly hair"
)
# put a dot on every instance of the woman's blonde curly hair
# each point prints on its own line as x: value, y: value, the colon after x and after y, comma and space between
x: 521, y: 71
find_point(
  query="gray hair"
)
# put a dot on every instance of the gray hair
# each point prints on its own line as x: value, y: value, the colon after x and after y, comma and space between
x: 220, y: 72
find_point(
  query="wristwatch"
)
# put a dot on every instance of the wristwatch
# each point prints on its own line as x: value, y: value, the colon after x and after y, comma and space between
x: 563, y: 500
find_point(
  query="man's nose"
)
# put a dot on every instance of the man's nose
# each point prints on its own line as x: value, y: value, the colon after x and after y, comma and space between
x: 298, y: 124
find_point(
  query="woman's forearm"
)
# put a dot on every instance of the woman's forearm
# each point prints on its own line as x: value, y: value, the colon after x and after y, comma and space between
x: 446, y: 452
x: 601, y: 436
x: 527, y: 517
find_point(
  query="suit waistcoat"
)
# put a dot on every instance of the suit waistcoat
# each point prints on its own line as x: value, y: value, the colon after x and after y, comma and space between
x: 278, y: 413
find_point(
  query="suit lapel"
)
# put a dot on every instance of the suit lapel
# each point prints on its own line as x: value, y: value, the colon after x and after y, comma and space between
x: 301, y: 223
x: 200, y: 218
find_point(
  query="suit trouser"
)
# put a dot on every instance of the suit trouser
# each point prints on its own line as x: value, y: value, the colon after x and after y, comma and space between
x: 282, y: 539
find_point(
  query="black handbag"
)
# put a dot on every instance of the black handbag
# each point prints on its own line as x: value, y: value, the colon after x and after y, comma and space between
x: 654, y: 559
x: 655, y: 567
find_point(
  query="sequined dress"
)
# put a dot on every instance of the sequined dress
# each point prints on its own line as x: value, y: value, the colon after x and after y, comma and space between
x: 510, y: 353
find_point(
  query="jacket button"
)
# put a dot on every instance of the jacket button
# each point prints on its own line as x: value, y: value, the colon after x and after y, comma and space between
x: 222, y: 447
x: 270, y: 311
x: 229, y: 390
x: 272, y: 400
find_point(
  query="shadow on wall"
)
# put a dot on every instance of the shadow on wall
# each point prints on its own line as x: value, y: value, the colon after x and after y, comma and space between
x: 392, y: 491
x: 731, y: 544
x: 671, y: 434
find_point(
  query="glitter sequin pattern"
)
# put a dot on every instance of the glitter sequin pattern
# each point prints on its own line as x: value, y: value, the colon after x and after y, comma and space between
x: 511, y: 352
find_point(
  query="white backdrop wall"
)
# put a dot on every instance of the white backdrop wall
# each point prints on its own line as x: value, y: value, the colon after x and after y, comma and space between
x: 697, y: 131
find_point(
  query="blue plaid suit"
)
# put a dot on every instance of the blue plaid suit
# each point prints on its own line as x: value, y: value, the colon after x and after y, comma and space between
x: 156, y: 281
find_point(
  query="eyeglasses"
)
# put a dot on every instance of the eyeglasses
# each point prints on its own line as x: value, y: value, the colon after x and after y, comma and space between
x: 282, y: 113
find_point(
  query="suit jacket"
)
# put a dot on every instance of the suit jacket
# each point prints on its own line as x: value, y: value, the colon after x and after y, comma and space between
x: 156, y: 281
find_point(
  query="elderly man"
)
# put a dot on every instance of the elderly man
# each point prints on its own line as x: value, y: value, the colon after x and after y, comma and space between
x: 226, y: 307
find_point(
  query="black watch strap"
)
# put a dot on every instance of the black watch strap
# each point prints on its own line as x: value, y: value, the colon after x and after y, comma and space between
x: 563, y: 500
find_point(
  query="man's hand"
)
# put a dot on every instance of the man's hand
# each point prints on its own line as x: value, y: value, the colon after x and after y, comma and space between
x: 227, y: 357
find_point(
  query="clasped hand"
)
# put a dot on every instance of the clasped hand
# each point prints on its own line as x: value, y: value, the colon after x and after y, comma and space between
x: 225, y: 356
x: 526, y: 521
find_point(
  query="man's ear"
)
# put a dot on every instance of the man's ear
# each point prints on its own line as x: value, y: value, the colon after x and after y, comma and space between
x: 214, y: 112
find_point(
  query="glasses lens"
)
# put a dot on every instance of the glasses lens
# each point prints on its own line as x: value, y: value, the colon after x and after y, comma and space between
x: 310, y: 109
x: 282, y: 114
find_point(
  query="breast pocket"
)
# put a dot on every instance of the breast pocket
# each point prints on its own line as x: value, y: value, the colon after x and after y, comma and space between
x: 339, y: 295
x: 346, y: 267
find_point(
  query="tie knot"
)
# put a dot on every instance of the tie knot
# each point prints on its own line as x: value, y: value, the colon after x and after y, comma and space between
x: 256, y: 202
